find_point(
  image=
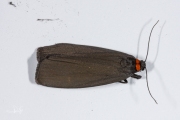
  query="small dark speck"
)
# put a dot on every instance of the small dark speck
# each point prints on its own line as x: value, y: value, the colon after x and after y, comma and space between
x: 47, y: 19
x: 12, y: 4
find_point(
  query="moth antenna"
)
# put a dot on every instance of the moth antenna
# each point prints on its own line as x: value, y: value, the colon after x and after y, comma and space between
x: 148, y: 87
x: 149, y: 40
x: 145, y: 61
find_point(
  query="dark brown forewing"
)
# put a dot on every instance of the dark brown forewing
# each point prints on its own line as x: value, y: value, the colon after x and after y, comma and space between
x: 65, y: 49
x: 80, y: 69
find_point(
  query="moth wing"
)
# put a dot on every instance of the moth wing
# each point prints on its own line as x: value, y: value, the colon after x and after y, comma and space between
x: 65, y: 49
x: 76, y: 66
x: 65, y: 73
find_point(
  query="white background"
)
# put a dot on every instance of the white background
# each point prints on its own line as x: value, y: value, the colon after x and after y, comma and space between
x: 122, y: 25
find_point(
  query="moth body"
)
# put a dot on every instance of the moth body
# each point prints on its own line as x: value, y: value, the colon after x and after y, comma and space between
x: 78, y: 66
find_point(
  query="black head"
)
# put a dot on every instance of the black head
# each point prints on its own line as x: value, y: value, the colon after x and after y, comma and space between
x: 143, y: 65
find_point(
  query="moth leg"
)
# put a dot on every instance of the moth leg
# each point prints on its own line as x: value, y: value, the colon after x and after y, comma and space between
x: 136, y: 76
x: 123, y: 81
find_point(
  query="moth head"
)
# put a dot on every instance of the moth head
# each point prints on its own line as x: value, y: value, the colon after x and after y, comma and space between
x: 140, y: 65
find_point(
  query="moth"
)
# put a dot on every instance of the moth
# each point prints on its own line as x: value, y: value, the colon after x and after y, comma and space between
x: 77, y: 66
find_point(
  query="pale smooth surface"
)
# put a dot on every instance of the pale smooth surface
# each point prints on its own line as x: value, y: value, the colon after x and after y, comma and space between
x: 121, y: 25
